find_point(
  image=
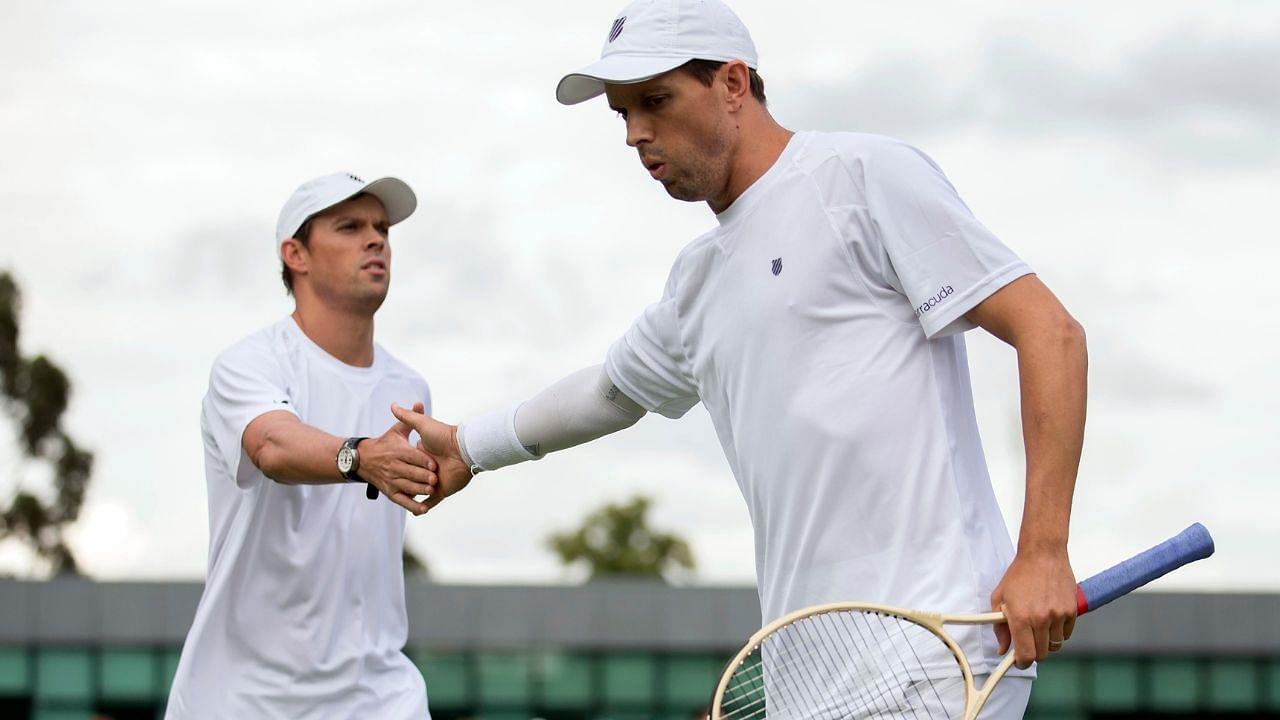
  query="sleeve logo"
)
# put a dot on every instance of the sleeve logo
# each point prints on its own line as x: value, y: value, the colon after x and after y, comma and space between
x: 930, y: 303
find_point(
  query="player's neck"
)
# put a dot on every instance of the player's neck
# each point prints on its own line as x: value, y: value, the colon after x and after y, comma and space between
x: 763, y: 141
x: 345, y: 336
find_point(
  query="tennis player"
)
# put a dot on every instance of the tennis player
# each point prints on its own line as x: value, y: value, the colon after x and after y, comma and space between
x: 303, y: 613
x: 820, y: 322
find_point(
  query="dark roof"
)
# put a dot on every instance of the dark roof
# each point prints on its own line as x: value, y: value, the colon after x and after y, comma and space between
x: 604, y: 615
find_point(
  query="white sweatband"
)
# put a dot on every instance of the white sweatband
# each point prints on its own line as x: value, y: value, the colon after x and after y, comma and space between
x: 489, y: 441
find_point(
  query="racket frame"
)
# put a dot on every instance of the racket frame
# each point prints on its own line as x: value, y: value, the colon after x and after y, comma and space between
x: 974, y: 697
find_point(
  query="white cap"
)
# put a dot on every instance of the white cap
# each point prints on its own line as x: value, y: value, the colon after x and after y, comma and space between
x: 650, y: 37
x: 323, y: 193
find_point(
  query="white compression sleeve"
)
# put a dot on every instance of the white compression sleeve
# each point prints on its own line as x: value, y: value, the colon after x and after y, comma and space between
x: 582, y: 407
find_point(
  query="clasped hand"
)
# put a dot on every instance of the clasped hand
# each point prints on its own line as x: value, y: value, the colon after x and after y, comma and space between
x: 397, y: 469
x: 439, y: 442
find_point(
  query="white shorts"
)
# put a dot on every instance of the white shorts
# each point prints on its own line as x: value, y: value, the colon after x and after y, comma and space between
x: 1008, y: 701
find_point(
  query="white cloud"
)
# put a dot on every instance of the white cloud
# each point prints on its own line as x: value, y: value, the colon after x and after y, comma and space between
x: 1196, y: 97
x: 109, y: 539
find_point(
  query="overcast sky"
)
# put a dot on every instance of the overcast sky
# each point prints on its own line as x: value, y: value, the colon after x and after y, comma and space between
x: 1127, y: 150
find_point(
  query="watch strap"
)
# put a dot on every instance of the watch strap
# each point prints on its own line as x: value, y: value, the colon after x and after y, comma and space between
x: 370, y: 491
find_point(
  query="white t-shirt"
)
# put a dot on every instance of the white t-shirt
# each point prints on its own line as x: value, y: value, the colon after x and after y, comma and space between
x: 820, y: 326
x: 303, y: 613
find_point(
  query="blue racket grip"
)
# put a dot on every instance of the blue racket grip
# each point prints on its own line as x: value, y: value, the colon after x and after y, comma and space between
x: 1190, y: 545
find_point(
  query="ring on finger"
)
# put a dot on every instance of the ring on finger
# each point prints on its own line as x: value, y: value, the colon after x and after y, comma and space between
x: 1055, y: 644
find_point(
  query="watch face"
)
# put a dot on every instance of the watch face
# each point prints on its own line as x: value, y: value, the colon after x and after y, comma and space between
x: 346, y: 458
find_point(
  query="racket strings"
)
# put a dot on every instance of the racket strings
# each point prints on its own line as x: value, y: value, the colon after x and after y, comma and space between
x: 846, y: 664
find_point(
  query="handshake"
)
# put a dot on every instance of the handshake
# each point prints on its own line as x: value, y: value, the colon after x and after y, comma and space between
x: 433, y: 469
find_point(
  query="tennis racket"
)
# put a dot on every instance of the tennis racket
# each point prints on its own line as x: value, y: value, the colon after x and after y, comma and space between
x: 861, y: 660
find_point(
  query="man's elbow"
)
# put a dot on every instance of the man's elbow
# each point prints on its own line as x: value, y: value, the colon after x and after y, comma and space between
x: 1056, y: 334
x: 266, y: 455
x: 1074, y: 332
x: 1069, y: 335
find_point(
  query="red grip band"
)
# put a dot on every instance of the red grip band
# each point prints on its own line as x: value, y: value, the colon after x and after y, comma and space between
x: 1082, y: 603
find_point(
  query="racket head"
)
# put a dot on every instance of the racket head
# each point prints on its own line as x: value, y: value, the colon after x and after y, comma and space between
x: 846, y: 658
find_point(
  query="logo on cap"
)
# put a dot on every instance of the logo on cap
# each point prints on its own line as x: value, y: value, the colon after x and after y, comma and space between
x: 617, y: 28
x: 353, y: 177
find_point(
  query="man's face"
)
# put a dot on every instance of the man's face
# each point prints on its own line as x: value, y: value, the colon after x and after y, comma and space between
x: 349, y: 257
x: 681, y: 128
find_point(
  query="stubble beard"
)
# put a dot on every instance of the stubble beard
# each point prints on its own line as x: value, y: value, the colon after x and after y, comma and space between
x: 703, y: 172
x: 361, y: 298
x: 369, y: 303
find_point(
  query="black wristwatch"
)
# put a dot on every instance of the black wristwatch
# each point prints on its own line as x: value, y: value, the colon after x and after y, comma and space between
x: 348, y: 461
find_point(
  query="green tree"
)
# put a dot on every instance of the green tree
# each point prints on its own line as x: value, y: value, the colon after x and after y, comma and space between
x: 34, y: 393
x: 616, y: 541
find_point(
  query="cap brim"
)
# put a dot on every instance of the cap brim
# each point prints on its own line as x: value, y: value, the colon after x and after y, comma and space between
x: 620, y: 69
x: 397, y: 197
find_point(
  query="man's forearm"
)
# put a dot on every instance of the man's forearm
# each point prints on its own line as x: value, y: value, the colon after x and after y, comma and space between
x: 289, y: 452
x: 293, y: 452
x: 1053, y: 370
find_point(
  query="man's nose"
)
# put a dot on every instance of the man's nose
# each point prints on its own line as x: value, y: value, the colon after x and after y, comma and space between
x: 638, y: 131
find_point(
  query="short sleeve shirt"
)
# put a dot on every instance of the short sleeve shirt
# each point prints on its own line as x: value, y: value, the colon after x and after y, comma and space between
x: 303, y: 612
x: 820, y: 324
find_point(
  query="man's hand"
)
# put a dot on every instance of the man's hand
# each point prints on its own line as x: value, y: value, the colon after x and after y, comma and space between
x: 1038, y: 598
x: 440, y: 441
x: 401, y: 471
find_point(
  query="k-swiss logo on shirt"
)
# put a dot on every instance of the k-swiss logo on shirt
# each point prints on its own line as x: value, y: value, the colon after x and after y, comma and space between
x: 927, y: 305
x: 777, y: 266
x: 616, y: 30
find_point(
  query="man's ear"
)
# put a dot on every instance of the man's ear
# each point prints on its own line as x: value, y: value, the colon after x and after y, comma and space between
x: 736, y: 80
x: 295, y: 256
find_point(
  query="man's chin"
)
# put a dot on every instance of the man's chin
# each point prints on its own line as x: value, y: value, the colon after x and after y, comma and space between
x: 680, y: 192
x: 372, y: 297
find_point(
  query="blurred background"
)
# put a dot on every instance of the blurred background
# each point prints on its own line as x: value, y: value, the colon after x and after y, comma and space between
x: 1128, y: 151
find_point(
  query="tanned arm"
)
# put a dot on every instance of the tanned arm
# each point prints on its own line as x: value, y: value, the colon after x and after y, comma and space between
x: 288, y: 451
x: 1037, y: 593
